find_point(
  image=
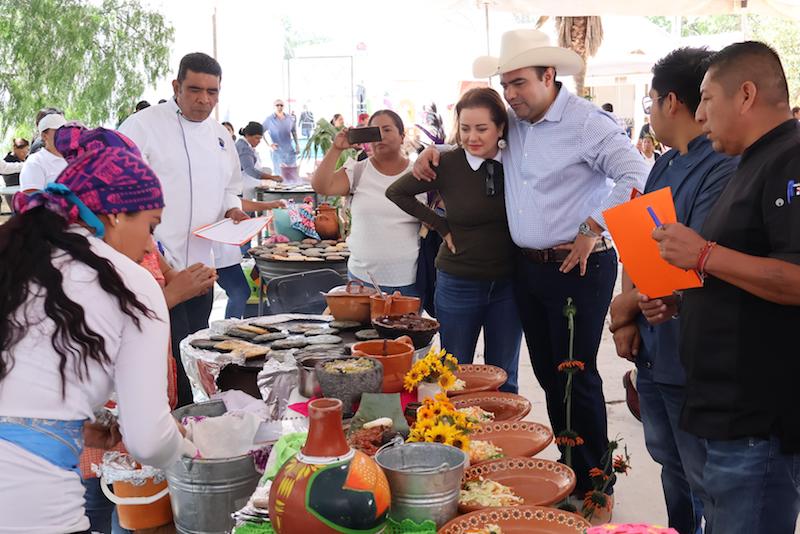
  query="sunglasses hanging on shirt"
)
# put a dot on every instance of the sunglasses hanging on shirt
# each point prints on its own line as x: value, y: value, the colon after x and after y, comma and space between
x: 492, y: 171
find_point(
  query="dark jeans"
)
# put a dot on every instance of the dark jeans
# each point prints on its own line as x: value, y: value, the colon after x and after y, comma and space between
x: 464, y: 306
x: 752, y: 487
x: 232, y: 280
x: 542, y: 293
x: 680, y: 454
x: 101, y: 512
x: 187, y: 318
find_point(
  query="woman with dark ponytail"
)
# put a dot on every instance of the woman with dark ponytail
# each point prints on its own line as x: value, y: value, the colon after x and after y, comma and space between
x: 78, y: 320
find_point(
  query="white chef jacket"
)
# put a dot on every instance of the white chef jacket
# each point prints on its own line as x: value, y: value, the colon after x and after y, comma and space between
x: 198, y: 166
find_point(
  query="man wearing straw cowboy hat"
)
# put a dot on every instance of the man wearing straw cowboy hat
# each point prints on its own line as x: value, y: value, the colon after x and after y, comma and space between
x: 566, y: 161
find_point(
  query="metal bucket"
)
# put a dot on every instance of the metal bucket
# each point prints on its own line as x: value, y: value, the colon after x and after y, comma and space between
x: 205, y: 493
x: 425, y: 479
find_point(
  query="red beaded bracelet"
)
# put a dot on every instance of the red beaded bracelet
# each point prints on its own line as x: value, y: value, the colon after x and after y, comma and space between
x: 702, y: 258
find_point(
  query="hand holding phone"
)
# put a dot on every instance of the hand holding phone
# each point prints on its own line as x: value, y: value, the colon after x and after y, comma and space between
x: 367, y: 134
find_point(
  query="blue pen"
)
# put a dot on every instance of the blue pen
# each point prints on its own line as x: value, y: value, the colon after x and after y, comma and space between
x: 160, y: 247
x: 654, y: 216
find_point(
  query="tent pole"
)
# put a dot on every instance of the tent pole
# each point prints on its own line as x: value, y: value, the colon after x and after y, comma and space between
x: 486, y: 17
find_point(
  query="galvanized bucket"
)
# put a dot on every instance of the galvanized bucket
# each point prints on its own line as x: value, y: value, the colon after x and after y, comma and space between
x: 205, y: 493
x: 425, y: 479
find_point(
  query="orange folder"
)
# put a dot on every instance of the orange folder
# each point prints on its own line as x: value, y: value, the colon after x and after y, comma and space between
x: 631, y: 226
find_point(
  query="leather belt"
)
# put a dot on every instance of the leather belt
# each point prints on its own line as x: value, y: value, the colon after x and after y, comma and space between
x: 552, y: 255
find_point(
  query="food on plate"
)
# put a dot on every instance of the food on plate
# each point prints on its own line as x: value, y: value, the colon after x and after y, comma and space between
x: 486, y: 493
x: 367, y: 334
x: 477, y: 415
x: 272, y: 336
x: 207, y: 344
x: 350, y: 366
x: 458, y: 385
x: 487, y: 529
x: 326, y: 339
x: 481, y: 451
x: 289, y: 343
x: 345, y: 325
x: 369, y: 438
x: 250, y: 328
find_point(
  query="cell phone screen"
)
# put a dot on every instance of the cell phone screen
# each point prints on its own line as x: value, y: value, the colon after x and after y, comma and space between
x: 368, y: 134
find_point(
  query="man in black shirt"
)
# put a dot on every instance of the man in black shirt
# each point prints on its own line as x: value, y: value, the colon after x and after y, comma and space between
x: 738, y: 331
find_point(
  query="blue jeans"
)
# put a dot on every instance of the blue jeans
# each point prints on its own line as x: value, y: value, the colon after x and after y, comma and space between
x: 232, y: 280
x: 542, y: 291
x: 464, y: 306
x: 752, y: 487
x: 101, y: 512
x: 408, y: 291
x: 680, y: 454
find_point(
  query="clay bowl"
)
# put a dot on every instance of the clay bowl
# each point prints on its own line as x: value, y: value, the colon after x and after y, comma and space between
x: 516, y: 438
x: 504, y: 406
x: 519, y: 520
x: 348, y: 387
x: 420, y: 329
x: 395, y: 355
x: 392, y: 305
x: 479, y: 378
x: 539, y: 482
x: 350, y: 302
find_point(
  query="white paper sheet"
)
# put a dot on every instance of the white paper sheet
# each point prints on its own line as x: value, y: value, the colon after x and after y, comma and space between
x: 225, y: 231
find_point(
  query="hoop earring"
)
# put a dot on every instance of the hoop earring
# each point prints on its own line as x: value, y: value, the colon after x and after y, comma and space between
x: 501, y: 144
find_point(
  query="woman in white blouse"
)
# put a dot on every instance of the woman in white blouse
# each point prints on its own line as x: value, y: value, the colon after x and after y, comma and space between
x: 383, y: 240
x: 79, y: 319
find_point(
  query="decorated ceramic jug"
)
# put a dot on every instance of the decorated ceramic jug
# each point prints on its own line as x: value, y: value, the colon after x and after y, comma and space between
x: 328, y: 487
x: 326, y: 221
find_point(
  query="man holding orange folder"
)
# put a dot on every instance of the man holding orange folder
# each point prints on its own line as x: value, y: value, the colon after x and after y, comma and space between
x: 696, y: 176
x: 739, y: 331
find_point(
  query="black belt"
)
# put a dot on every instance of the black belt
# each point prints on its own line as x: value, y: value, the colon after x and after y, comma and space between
x: 552, y: 255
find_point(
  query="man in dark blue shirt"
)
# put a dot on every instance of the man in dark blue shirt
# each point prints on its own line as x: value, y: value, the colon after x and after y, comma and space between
x: 697, y: 175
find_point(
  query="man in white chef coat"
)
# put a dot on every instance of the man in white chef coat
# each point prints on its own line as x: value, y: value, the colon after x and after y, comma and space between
x: 197, y: 163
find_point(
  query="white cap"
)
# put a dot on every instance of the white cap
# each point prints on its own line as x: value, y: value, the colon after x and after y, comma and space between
x: 52, y: 121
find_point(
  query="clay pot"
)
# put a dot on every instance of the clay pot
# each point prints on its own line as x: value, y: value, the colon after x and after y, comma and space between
x: 328, y: 487
x: 391, y: 305
x: 326, y: 221
x: 348, y: 387
x: 350, y: 302
x: 395, y: 355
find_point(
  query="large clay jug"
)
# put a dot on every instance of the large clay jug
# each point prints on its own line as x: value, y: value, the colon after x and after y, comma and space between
x: 326, y: 221
x: 328, y: 487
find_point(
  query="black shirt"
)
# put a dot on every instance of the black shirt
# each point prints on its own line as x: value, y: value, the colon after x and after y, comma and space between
x: 13, y: 178
x: 741, y: 353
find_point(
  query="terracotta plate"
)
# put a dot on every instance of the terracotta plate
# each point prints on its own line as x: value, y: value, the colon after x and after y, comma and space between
x: 519, y: 520
x: 516, y: 438
x: 479, y: 378
x: 539, y: 482
x: 504, y: 406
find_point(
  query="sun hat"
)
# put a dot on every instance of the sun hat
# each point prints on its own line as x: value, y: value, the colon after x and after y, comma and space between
x: 527, y: 48
x: 48, y: 122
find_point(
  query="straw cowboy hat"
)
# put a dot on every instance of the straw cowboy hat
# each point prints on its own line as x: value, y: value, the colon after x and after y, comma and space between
x: 527, y: 48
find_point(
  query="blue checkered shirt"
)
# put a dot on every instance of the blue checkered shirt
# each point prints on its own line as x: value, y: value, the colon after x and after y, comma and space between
x: 574, y: 163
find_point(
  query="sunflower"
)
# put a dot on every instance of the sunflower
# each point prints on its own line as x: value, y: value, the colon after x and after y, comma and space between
x: 460, y: 441
x: 425, y: 413
x: 440, y: 433
x: 416, y: 435
x: 447, y: 380
x: 443, y: 398
x: 424, y: 424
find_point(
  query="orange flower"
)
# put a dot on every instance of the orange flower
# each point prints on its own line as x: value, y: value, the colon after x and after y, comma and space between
x: 595, y: 500
x: 622, y: 464
x: 568, y: 438
x: 594, y: 472
x: 571, y: 366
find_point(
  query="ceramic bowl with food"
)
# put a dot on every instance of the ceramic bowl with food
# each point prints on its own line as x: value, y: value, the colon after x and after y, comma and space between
x: 347, y: 378
x: 420, y: 329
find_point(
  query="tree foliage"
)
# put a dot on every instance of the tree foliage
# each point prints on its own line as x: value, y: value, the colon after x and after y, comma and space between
x: 92, y: 59
x: 783, y: 34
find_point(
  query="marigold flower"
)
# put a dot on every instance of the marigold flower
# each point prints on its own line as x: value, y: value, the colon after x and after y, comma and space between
x: 621, y: 464
x: 596, y: 500
x: 568, y: 438
x: 594, y: 472
x: 571, y: 366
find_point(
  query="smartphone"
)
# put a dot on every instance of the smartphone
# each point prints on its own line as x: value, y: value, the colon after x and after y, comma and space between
x: 367, y: 134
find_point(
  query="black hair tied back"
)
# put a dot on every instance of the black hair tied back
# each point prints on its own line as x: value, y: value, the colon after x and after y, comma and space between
x: 27, y: 244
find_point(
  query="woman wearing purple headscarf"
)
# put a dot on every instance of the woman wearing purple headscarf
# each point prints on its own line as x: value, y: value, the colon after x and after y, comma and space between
x: 78, y: 319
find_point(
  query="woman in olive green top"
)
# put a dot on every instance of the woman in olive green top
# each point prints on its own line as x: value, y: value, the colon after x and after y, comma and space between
x: 474, y: 287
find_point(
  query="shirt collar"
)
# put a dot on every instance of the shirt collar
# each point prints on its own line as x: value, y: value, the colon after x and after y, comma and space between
x: 475, y: 162
x: 556, y: 110
x: 765, y: 140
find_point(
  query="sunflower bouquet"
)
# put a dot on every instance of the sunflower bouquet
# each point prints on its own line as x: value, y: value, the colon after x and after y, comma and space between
x: 438, y: 421
x: 436, y: 367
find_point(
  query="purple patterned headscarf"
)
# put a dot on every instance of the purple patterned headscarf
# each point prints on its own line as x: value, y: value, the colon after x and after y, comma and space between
x: 109, y: 179
x: 72, y: 140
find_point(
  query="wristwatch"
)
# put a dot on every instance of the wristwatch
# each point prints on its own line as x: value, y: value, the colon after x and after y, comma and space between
x: 585, y: 229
